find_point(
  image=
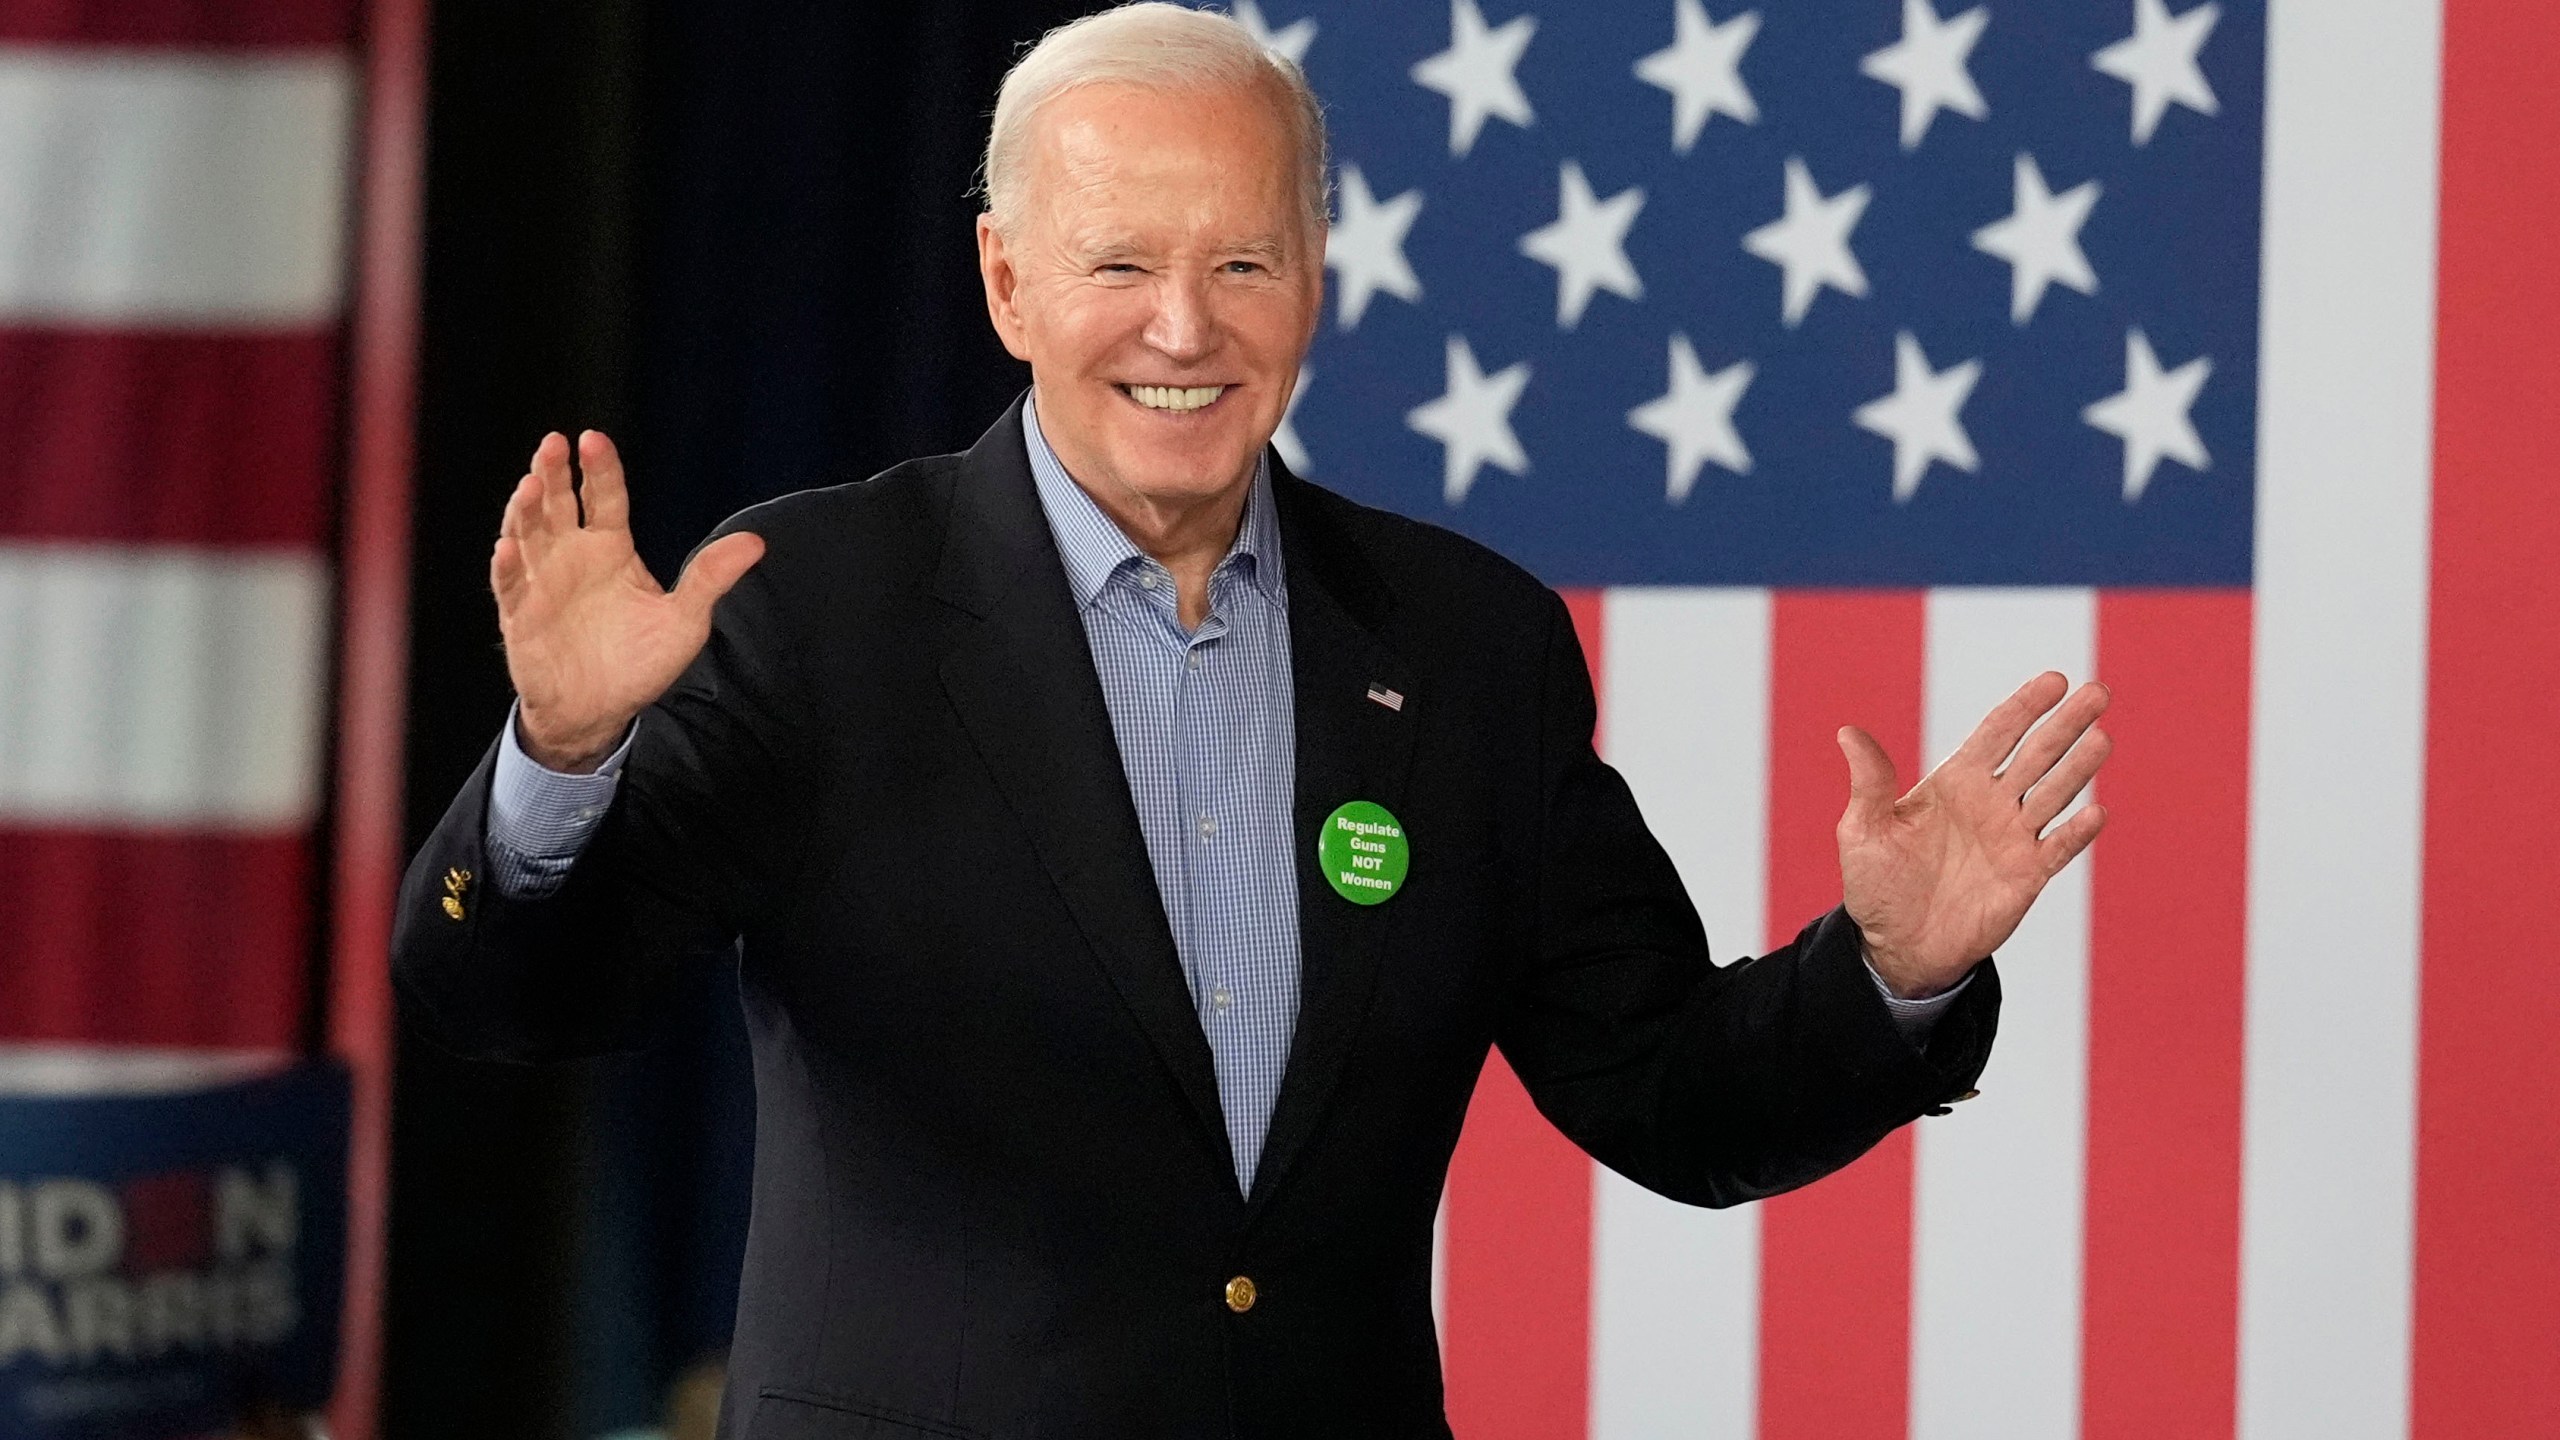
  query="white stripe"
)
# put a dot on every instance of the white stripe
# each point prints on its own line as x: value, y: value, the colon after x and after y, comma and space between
x: 1998, y: 1184
x: 1675, y: 1299
x: 2337, y: 746
x: 160, y: 687
x: 188, y: 190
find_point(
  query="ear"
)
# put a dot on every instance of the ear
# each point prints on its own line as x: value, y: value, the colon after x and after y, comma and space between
x: 997, y: 273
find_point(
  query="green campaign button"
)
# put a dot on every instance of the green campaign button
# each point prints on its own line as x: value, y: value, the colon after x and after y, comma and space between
x: 1363, y: 852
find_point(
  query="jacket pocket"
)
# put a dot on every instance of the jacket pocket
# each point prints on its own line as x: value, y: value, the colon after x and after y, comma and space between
x: 785, y: 1414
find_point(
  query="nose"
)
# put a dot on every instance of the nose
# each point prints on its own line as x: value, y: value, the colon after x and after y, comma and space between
x: 1182, y: 328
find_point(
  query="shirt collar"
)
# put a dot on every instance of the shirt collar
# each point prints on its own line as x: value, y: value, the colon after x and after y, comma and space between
x: 1094, y: 546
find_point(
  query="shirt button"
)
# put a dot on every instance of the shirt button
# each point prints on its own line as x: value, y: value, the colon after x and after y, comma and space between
x: 1208, y: 827
x: 1220, y: 999
x: 1146, y: 580
x: 1241, y: 1293
x: 1195, y: 659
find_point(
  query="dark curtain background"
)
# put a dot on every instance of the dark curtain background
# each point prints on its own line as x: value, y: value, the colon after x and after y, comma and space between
x: 737, y: 237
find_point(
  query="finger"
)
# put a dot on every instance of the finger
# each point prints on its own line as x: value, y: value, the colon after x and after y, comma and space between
x: 607, y: 502
x: 2053, y: 739
x: 2065, y: 844
x: 524, y: 521
x: 1997, y: 735
x: 2065, y: 783
x: 506, y: 571
x: 551, y: 474
x: 510, y: 523
x: 716, y: 567
x: 1873, y: 786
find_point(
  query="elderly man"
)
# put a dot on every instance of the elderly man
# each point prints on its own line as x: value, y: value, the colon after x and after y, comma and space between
x: 1135, y: 849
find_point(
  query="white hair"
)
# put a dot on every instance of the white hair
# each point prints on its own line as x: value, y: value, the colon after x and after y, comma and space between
x: 1156, y: 46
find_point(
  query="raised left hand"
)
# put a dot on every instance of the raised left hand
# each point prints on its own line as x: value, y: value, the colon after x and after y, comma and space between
x: 1939, y: 878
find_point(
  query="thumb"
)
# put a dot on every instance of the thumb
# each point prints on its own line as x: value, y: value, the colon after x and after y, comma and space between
x: 1872, y: 783
x: 715, y: 568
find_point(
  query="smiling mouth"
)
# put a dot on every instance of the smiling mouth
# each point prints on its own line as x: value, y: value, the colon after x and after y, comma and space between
x: 1175, y: 399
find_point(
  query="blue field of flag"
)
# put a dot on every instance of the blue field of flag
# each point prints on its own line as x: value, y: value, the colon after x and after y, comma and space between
x: 1959, y: 296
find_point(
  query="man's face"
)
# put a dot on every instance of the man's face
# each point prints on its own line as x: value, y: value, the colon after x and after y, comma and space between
x: 1163, y: 280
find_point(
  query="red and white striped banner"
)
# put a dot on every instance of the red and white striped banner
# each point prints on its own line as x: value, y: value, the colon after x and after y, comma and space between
x: 177, y: 222
x: 173, y: 221
x: 2270, y: 1145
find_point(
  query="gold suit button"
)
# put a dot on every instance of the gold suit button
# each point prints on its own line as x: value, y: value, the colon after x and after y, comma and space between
x: 1241, y: 1294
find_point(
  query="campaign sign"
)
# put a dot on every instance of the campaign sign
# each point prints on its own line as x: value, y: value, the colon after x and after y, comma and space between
x: 169, y: 1253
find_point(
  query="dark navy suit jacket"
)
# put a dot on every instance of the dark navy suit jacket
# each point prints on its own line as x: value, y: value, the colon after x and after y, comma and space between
x: 993, y: 1194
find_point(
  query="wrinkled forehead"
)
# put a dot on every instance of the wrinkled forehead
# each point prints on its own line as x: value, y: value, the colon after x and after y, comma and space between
x: 1218, y: 164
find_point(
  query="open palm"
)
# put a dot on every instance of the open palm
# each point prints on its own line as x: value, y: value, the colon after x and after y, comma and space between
x: 592, y: 638
x: 1939, y: 877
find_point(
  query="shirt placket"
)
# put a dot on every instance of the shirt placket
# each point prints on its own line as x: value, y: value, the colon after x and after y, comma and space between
x: 1200, y: 781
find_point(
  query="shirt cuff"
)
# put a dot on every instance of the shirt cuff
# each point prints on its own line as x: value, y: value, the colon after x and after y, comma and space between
x: 540, y: 819
x: 1916, y: 1018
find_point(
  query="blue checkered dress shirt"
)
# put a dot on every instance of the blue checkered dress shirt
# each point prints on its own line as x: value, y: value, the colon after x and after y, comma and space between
x: 1207, y: 729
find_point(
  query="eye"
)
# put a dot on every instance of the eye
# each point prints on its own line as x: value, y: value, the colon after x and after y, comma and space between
x: 1118, y: 267
x: 1242, y: 267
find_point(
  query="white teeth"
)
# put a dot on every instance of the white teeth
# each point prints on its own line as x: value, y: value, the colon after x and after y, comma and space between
x: 1175, y: 397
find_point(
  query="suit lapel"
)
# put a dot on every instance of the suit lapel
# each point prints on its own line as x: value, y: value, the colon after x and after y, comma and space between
x: 1023, y: 682
x: 1349, y: 747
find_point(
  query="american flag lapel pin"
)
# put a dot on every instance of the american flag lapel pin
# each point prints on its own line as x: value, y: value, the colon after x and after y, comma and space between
x: 1392, y: 699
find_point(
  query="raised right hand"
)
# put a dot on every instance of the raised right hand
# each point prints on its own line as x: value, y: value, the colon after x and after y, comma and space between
x: 592, y: 639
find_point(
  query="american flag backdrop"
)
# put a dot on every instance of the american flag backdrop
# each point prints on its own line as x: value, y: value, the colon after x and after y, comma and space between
x: 173, y: 209
x: 1851, y: 362
x: 178, y: 236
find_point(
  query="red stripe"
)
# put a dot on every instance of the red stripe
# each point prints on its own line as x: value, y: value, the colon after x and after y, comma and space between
x: 1589, y: 609
x: 182, y: 23
x: 2167, y: 966
x: 1518, y: 1346
x: 115, y: 937
x: 167, y: 438
x: 1835, y: 1258
x: 2487, y: 1326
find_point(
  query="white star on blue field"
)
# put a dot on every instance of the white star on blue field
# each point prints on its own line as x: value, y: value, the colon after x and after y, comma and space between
x: 1903, y: 292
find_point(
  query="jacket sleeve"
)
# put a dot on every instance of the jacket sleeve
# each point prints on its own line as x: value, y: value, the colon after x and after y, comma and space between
x: 1710, y: 1085
x: 698, y: 844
